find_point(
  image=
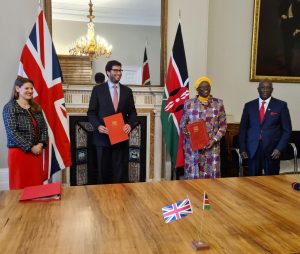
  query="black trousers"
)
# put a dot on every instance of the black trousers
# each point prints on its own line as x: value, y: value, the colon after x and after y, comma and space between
x: 112, y: 164
x: 262, y: 161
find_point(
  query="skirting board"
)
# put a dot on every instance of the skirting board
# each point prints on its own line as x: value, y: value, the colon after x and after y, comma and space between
x: 4, y: 185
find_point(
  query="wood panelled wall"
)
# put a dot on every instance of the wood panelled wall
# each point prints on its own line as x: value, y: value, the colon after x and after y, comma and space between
x: 232, y: 130
x: 76, y: 70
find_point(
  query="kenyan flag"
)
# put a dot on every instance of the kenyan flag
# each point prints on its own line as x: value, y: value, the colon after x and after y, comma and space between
x: 206, y: 204
x: 175, y: 94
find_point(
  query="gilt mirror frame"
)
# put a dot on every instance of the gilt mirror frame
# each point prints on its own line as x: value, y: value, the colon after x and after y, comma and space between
x: 270, y: 49
x: 163, y: 33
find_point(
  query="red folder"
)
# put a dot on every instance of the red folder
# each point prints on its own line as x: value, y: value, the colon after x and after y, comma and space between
x: 198, y: 135
x: 115, y: 124
x: 45, y: 192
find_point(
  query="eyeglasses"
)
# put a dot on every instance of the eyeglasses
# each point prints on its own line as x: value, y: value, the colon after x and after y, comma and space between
x: 117, y: 70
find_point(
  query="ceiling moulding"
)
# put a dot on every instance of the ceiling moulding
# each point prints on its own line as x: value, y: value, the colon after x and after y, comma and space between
x: 107, y: 15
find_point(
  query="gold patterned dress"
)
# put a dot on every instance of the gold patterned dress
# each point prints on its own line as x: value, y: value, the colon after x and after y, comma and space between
x: 204, y: 163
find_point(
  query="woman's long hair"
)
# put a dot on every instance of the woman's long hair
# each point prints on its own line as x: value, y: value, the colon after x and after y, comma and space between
x: 20, y: 81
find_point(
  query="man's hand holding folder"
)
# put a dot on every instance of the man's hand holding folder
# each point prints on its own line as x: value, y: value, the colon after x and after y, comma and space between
x: 117, y: 130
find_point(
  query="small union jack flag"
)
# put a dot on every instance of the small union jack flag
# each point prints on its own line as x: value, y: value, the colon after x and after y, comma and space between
x: 177, y: 210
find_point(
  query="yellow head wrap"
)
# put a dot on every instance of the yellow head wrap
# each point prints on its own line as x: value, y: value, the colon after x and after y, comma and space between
x: 197, y: 84
x: 200, y: 80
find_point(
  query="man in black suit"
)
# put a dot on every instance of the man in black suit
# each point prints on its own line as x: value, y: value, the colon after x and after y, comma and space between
x: 99, y: 78
x: 107, y: 99
x: 265, y: 130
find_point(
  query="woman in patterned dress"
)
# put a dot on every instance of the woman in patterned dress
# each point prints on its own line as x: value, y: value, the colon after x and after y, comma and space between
x: 204, y: 163
x: 27, y: 136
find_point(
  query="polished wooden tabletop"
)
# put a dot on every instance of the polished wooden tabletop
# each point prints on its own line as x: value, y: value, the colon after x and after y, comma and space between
x: 248, y: 215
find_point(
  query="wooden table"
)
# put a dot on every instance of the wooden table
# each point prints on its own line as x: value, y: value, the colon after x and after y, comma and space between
x: 248, y: 215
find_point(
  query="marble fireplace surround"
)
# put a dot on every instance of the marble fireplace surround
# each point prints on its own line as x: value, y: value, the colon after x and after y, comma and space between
x: 148, y: 103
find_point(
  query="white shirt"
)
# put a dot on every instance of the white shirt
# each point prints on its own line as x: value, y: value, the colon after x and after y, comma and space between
x: 267, y: 101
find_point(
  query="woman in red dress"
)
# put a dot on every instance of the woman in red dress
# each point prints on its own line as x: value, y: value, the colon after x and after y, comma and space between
x: 27, y: 136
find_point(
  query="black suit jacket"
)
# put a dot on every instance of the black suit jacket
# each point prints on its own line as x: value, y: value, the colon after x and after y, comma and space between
x: 274, y: 131
x: 101, y: 105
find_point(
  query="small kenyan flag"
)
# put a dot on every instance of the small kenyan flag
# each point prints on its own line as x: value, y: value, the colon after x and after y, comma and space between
x: 206, y: 204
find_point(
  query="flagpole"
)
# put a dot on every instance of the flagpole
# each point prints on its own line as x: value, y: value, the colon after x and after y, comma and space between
x: 179, y: 15
x: 200, y: 233
x: 200, y: 244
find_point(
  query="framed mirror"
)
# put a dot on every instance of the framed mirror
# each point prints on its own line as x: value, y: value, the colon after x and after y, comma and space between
x: 162, y: 44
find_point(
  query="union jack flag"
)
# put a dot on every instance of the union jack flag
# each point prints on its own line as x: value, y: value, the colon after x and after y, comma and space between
x: 177, y: 210
x: 39, y: 63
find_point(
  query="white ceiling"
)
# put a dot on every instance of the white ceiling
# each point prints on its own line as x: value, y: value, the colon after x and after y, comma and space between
x: 133, y: 12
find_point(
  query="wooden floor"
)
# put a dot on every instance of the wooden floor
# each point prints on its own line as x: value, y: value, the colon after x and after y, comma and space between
x: 248, y: 215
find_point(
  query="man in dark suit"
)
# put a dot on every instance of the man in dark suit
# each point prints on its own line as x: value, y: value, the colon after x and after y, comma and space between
x: 99, y: 78
x: 265, y: 130
x: 107, y: 99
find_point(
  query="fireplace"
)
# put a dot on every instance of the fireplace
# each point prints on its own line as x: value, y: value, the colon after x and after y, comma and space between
x: 83, y: 170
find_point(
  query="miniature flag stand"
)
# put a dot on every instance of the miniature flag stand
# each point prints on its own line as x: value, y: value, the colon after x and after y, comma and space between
x: 182, y: 209
x: 200, y: 245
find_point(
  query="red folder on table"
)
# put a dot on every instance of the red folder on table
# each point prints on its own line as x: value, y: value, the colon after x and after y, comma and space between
x: 198, y: 135
x: 115, y: 124
x: 45, y: 192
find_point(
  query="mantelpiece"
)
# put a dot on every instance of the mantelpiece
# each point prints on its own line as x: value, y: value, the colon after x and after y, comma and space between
x: 148, y: 103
